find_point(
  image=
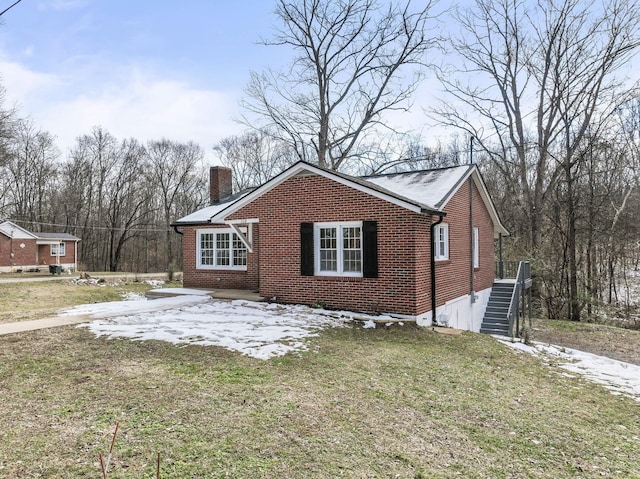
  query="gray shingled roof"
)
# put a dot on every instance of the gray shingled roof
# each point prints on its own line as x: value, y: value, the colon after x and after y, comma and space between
x: 57, y: 236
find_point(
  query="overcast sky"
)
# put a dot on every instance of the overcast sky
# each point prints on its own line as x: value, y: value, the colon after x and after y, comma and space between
x: 140, y: 68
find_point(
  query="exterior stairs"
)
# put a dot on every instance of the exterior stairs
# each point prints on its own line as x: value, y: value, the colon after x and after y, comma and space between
x: 496, y: 320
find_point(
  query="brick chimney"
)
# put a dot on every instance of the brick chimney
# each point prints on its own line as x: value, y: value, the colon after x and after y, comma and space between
x: 220, y: 183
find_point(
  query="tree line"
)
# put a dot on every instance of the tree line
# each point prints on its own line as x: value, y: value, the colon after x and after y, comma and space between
x: 118, y: 196
x: 536, y: 91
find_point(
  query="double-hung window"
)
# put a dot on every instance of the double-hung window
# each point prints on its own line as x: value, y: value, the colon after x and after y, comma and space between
x: 220, y: 249
x: 338, y: 249
x: 58, y: 249
x: 441, y: 237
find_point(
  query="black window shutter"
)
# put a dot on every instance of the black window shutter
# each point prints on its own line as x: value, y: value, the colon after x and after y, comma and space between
x: 370, y: 249
x: 306, y: 249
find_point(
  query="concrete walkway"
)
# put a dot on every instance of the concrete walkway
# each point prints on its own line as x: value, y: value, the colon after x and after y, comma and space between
x: 53, y: 322
x: 21, y: 326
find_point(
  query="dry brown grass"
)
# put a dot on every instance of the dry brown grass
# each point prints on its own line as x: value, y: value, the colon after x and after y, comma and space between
x: 399, y: 402
x: 605, y: 340
x: 36, y: 300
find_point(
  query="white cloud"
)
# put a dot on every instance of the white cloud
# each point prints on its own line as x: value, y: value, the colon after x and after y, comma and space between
x: 61, y: 4
x: 132, y: 103
x: 145, y: 108
x: 23, y: 85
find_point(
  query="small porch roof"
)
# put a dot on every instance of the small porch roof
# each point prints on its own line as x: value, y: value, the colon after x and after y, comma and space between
x: 54, y: 238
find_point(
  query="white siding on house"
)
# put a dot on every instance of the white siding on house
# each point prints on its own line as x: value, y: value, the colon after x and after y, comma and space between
x: 460, y: 313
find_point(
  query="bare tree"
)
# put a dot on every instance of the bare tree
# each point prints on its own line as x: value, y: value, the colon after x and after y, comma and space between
x: 173, y: 169
x: 412, y: 155
x: 355, y: 60
x: 128, y: 201
x: 32, y: 170
x: 255, y: 157
x: 540, y: 78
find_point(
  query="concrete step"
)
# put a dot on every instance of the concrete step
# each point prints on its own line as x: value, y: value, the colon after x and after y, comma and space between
x: 496, y: 331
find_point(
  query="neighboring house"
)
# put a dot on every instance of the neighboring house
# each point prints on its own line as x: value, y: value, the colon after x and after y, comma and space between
x: 23, y: 250
x: 314, y: 236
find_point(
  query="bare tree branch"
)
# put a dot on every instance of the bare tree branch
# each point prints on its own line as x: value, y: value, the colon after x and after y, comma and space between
x: 354, y: 61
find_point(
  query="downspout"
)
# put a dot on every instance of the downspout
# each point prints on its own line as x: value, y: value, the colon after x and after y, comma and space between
x: 471, y: 232
x: 500, y: 262
x: 175, y: 228
x: 472, y: 246
x: 433, y: 269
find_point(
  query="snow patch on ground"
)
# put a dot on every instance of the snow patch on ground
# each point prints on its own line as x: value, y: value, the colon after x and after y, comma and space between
x: 617, y: 376
x: 132, y: 296
x: 260, y: 330
x: 370, y: 324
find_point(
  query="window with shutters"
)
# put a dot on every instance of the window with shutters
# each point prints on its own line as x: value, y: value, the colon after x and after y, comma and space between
x: 220, y: 249
x: 338, y: 249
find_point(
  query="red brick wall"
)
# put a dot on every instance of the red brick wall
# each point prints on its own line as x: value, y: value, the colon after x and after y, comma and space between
x: 5, y: 250
x: 317, y: 199
x: 220, y: 183
x: 217, y: 279
x: 403, y: 285
x: 21, y: 256
x: 44, y: 254
x: 453, y: 276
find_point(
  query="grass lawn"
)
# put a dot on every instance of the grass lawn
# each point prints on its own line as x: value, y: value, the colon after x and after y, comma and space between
x: 400, y: 402
x: 606, y: 340
x: 36, y: 300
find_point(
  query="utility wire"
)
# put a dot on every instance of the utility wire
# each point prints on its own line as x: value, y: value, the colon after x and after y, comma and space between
x: 150, y: 229
x: 9, y: 8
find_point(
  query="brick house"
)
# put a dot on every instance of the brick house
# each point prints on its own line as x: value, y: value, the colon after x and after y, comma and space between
x: 23, y: 250
x: 314, y: 236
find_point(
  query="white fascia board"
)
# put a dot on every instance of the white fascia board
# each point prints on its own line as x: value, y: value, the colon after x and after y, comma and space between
x: 298, y: 168
x: 498, y: 227
x: 247, y: 221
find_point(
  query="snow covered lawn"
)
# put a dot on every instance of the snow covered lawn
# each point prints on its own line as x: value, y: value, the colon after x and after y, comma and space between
x: 617, y: 376
x: 264, y: 330
x: 260, y: 330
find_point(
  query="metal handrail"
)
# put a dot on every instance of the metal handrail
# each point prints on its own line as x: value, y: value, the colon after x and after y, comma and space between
x: 514, y: 305
x: 523, y: 281
x: 506, y: 269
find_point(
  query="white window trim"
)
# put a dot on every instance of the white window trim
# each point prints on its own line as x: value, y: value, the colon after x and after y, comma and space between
x: 476, y: 247
x: 441, y: 255
x: 316, y: 248
x: 215, y: 231
x: 61, y: 249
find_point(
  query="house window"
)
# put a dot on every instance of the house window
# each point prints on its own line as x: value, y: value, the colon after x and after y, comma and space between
x: 441, y: 233
x: 476, y: 249
x: 338, y: 249
x: 220, y: 249
x: 58, y: 249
